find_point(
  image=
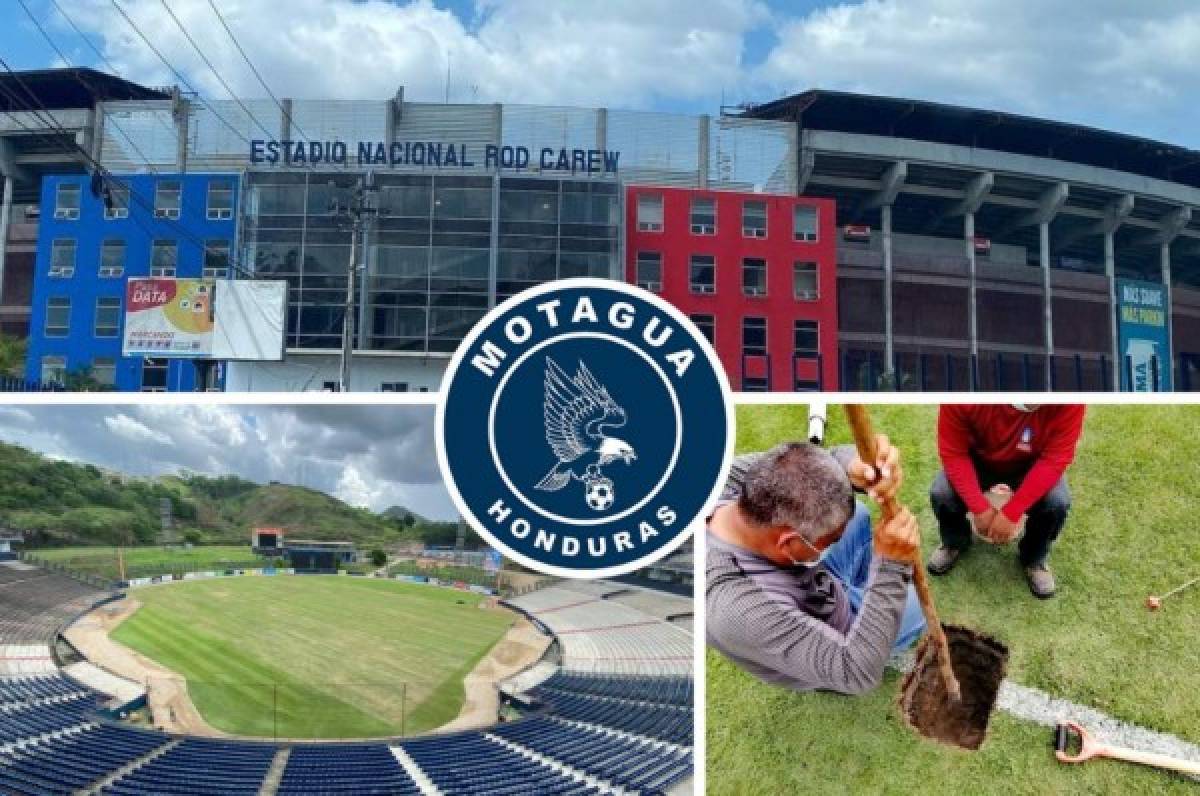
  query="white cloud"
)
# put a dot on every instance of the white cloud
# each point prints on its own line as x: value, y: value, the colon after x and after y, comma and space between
x: 1132, y: 67
x: 373, y: 456
x: 13, y: 414
x: 624, y: 53
x: 135, y: 431
x: 354, y: 489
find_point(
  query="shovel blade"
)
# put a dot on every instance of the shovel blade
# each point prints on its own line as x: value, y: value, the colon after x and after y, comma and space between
x: 979, y: 663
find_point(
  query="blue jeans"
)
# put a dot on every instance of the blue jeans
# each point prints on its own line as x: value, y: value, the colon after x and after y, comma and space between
x: 849, y: 559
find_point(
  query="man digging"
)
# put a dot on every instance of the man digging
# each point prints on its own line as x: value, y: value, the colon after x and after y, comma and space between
x: 1018, y: 455
x: 799, y: 591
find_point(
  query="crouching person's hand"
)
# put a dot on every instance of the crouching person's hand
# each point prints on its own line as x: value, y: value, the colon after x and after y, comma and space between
x: 898, y: 538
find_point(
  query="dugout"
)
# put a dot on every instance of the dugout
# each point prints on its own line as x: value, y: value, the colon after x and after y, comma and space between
x: 315, y: 557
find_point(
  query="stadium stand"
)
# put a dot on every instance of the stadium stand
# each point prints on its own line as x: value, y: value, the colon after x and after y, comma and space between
x: 200, y: 765
x: 614, y: 717
x: 640, y: 766
x: 344, y: 769
x: 601, y: 634
x: 472, y: 763
x: 71, y: 762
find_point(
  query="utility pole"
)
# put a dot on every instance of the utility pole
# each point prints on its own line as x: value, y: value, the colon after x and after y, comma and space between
x: 359, y: 214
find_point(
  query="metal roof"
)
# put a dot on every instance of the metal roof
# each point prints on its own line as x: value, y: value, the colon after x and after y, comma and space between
x: 57, y: 89
x: 1005, y: 132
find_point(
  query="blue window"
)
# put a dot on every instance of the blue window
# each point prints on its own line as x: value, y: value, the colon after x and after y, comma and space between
x: 66, y: 201
x: 108, y: 316
x: 220, y: 200
x: 62, y: 258
x: 164, y: 256
x: 112, y: 259
x: 58, y: 316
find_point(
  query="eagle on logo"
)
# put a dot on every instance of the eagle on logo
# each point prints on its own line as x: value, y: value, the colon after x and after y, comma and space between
x: 578, y: 412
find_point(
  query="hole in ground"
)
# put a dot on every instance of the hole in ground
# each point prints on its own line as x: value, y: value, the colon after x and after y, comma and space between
x: 979, y: 663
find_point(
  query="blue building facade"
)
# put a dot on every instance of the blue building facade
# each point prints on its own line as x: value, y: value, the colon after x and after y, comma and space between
x: 93, y: 236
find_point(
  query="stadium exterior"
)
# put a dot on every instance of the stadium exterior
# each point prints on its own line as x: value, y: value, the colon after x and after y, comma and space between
x: 972, y: 249
x: 987, y: 248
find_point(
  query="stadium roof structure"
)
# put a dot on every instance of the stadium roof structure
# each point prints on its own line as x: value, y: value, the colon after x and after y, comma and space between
x: 987, y: 129
x: 933, y: 163
x: 75, y: 87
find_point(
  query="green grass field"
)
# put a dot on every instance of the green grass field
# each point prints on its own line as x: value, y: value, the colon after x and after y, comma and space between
x: 1132, y: 533
x: 147, y: 561
x: 316, y: 656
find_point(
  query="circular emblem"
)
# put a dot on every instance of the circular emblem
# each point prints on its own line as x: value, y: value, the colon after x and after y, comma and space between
x: 583, y: 428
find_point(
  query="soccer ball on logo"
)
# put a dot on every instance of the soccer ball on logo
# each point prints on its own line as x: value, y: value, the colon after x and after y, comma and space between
x: 599, y: 494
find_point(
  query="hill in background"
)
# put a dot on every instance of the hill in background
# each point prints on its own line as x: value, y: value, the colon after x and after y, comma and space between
x: 63, y: 503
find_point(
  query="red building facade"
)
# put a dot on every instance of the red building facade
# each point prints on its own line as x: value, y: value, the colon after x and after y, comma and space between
x: 756, y: 272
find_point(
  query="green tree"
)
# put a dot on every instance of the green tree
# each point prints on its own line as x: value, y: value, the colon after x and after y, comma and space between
x: 83, y: 380
x: 378, y: 558
x: 193, y: 537
x: 12, y: 355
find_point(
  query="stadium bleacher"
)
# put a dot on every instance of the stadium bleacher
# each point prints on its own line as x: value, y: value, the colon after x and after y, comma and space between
x: 615, y: 716
x: 198, y: 766
x: 469, y: 762
x: 344, y: 769
x: 637, y: 765
x: 604, y: 635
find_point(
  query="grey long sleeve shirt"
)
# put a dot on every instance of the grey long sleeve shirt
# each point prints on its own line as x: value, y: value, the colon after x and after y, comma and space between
x: 780, y: 643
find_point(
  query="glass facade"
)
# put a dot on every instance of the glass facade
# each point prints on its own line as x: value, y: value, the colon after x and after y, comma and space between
x: 441, y: 251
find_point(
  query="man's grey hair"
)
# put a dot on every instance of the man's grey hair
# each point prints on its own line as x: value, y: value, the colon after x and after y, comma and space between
x: 800, y: 486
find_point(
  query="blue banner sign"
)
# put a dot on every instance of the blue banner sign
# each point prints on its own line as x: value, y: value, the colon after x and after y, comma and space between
x: 435, y: 155
x: 1143, y: 339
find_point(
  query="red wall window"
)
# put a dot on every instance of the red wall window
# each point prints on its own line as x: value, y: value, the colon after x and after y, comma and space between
x: 756, y: 272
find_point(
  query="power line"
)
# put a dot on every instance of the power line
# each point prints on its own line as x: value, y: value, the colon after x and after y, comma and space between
x: 79, y: 78
x: 176, y: 72
x: 112, y: 68
x: 98, y: 170
x: 209, y: 64
x: 286, y: 115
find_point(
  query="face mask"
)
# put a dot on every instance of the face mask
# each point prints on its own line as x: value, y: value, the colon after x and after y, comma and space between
x: 804, y: 565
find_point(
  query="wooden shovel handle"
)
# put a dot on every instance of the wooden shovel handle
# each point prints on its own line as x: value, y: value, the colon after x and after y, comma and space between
x: 1150, y: 759
x: 864, y: 440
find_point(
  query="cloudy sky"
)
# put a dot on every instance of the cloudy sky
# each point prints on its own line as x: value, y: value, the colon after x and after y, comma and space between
x: 373, y: 456
x: 1128, y: 66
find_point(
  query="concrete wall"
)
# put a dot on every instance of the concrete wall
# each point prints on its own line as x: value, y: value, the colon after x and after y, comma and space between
x: 305, y: 372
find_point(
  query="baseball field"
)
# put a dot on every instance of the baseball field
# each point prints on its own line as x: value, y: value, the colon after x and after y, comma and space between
x: 316, y: 656
x: 1131, y: 533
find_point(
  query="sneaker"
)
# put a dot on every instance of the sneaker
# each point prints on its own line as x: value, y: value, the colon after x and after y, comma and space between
x: 1041, y: 581
x: 943, y: 560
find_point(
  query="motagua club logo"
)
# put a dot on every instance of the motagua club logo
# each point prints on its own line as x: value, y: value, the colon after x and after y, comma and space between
x: 584, y: 427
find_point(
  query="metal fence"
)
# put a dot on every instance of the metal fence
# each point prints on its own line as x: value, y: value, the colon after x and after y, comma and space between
x: 865, y: 371
x: 15, y: 384
x: 289, y: 708
x: 721, y: 153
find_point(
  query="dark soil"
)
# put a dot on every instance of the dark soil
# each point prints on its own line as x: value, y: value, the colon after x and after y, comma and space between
x: 979, y: 663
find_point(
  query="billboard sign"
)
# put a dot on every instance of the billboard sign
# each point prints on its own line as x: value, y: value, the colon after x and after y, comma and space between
x: 249, y: 319
x: 492, y: 561
x: 1143, y: 337
x: 168, y: 317
x: 205, y: 319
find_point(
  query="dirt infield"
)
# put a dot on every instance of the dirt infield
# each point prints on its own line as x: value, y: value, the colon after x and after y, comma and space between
x: 171, y: 708
x: 521, y: 647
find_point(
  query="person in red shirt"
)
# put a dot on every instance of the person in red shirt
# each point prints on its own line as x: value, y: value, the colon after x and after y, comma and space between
x: 1025, y: 448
